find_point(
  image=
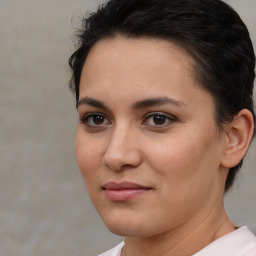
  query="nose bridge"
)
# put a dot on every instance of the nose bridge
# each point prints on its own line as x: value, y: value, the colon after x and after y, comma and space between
x: 122, y: 148
x: 121, y: 134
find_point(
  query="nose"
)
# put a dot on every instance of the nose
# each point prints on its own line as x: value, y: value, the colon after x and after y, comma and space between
x: 122, y: 151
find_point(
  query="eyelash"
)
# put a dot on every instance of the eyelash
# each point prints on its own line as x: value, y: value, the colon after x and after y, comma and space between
x: 165, y: 117
x: 85, y: 120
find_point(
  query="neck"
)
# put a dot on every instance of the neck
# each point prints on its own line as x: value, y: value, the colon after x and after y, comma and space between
x: 184, y: 240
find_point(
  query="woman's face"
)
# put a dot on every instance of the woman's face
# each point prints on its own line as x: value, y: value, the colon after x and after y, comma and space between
x: 147, y: 144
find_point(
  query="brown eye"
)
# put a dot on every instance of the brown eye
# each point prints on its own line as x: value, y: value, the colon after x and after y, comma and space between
x: 159, y: 120
x: 95, y: 120
x: 98, y: 120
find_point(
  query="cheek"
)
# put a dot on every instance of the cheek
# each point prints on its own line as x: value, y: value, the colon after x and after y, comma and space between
x: 88, y: 156
x: 187, y: 159
x: 185, y: 177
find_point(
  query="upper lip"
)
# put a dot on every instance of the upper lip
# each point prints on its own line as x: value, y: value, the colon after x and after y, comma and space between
x: 123, y: 185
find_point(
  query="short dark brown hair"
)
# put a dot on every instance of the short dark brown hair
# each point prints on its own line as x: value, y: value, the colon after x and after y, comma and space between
x: 209, y: 30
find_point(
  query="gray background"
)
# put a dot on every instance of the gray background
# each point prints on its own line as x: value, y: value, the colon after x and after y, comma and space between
x: 44, y: 206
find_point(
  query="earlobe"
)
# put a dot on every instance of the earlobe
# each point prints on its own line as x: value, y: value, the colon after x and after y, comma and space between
x: 238, y: 137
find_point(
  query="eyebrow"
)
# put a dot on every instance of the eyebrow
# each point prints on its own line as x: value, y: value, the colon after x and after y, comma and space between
x: 92, y: 102
x: 150, y: 102
x: 156, y: 102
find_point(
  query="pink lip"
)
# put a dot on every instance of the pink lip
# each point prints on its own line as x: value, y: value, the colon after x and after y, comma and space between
x: 123, y: 191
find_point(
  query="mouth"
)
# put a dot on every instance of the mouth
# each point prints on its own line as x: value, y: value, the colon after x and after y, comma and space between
x: 123, y: 191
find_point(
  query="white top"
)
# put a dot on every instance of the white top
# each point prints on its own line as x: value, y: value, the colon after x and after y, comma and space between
x: 240, y: 242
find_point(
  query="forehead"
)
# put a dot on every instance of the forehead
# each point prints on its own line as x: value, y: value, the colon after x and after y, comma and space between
x: 122, y: 68
x: 144, y: 50
x: 116, y: 57
x: 120, y: 73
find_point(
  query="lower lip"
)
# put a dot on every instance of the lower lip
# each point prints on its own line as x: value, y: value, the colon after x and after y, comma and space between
x: 123, y: 194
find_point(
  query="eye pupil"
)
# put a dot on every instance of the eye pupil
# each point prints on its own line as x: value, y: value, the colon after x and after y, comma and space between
x: 98, y: 119
x: 159, y: 120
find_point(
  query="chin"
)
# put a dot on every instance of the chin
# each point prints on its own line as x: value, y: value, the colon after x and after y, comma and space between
x: 126, y: 230
x: 119, y: 230
x: 124, y: 225
x: 133, y: 227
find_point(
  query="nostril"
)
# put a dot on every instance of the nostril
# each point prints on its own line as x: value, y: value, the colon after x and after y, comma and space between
x: 121, y: 162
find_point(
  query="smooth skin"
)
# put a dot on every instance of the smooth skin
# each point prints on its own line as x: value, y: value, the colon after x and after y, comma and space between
x: 145, y: 119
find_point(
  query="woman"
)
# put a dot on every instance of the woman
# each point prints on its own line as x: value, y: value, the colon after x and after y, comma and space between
x: 164, y: 93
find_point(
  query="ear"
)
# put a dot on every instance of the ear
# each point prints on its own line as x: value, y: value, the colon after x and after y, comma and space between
x: 238, y: 135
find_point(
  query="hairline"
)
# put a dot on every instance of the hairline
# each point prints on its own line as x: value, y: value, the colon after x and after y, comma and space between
x: 196, y: 71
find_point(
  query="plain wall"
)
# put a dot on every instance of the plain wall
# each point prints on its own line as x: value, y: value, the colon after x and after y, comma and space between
x: 45, y: 209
